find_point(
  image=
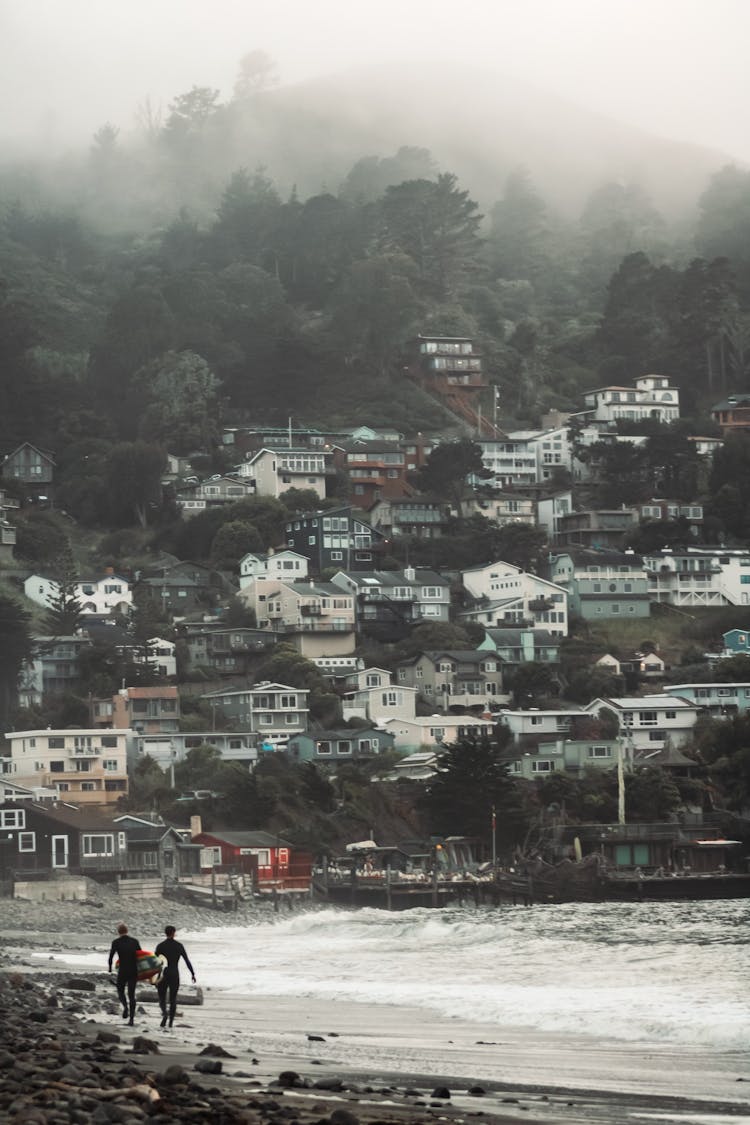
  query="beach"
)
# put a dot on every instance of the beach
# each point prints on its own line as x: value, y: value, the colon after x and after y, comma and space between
x: 359, y: 1049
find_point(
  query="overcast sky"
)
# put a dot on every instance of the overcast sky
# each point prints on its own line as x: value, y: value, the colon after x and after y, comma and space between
x: 675, y: 67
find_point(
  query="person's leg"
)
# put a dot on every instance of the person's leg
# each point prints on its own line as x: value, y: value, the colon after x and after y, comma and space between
x: 131, y: 998
x: 174, y: 988
x: 121, y: 994
x: 161, y: 991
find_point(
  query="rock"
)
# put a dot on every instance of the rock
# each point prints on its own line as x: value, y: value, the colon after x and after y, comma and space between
x: 175, y: 1076
x: 441, y: 1092
x: 343, y: 1117
x: 80, y: 984
x: 143, y: 1046
x: 107, y: 1037
x: 217, y: 1052
x: 209, y: 1066
x: 476, y: 1091
x: 316, y: 1039
x: 289, y: 1079
x: 328, y: 1084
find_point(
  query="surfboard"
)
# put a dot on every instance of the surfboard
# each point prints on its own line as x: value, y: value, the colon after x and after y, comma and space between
x: 150, y: 966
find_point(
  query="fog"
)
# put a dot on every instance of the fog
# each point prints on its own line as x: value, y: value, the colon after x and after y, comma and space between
x: 674, y: 68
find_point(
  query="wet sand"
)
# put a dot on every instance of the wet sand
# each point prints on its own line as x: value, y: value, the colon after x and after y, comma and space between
x: 544, y: 1078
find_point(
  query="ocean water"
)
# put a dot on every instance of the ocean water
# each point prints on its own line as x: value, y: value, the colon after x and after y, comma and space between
x: 668, y: 974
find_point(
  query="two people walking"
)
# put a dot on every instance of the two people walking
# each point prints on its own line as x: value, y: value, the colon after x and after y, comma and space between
x: 125, y: 948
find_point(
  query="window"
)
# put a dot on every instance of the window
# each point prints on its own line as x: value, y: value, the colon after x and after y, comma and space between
x: 88, y: 786
x: 56, y: 743
x: 647, y: 718
x: 83, y: 767
x: 656, y: 736
x: 345, y: 747
x: 368, y: 744
x: 288, y: 701
x: 323, y: 747
x: 543, y: 765
x: 27, y: 841
x: 391, y: 698
x: 12, y: 818
x: 600, y: 752
x: 99, y: 844
x: 110, y: 764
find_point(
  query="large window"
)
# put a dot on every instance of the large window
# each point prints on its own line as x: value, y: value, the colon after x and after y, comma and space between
x: 27, y: 841
x: 98, y: 844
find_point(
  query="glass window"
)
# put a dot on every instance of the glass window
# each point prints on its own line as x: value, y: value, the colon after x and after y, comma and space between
x: 27, y: 841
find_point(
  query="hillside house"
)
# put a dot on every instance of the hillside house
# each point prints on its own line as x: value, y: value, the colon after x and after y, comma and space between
x: 325, y: 747
x: 147, y: 710
x: 87, y: 766
x: 316, y: 617
x: 649, y: 722
x: 522, y: 646
x: 505, y: 596
x: 225, y: 650
x: 272, y: 712
x: 451, y: 679
x: 721, y: 700
x: 100, y: 596
x: 651, y: 397
x: 390, y: 602
x: 275, y: 565
x: 699, y: 576
x: 272, y: 472
x: 602, y: 584
x: 335, y: 538
x: 416, y: 516
x: 435, y: 731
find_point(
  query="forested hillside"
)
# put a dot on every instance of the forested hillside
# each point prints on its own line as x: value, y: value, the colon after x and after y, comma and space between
x: 166, y: 281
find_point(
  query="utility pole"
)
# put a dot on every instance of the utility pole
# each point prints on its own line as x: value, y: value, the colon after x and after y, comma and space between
x: 494, y: 836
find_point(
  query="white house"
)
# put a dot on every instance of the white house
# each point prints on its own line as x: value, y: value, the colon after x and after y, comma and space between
x: 505, y: 595
x: 435, y: 730
x: 271, y: 472
x: 699, y: 576
x: 721, y: 699
x: 536, y: 723
x: 651, y: 397
x: 648, y: 722
x: 85, y: 766
x: 282, y: 565
x: 107, y: 594
x: 379, y: 701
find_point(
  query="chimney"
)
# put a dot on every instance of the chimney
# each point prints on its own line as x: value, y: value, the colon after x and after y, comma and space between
x: 195, y: 827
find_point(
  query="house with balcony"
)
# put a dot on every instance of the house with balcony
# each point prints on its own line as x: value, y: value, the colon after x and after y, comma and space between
x: 390, y: 602
x: 193, y: 498
x: 600, y: 529
x: 168, y: 750
x: 339, y: 537
x: 720, y: 700
x: 511, y: 459
x: 659, y: 509
x: 415, y: 516
x: 85, y: 766
x: 148, y: 710
x: 435, y: 731
x: 272, y: 472
x: 551, y: 507
x: 501, y: 595
x: 450, y: 369
x: 326, y: 747
x: 500, y: 508
x: 649, y: 722
x: 732, y: 414
x: 318, y: 618
x: 699, y: 576
x: 651, y: 397
x: 273, y: 566
x: 522, y: 646
x: 225, y: 650
x: 602, y: 584
x: 272, y: 712
x: 375, y: 468
x: 455, y: 679
x: 53, y: 668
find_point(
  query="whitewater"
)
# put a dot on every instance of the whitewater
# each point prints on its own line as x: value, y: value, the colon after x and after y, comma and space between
x: 662, y: 973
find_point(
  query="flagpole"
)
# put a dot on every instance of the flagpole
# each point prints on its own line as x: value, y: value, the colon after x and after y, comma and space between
x: 494, y: 836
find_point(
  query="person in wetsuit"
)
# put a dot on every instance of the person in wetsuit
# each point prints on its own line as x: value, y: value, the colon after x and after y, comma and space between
x: 169, y: 983
x: 125, y: 948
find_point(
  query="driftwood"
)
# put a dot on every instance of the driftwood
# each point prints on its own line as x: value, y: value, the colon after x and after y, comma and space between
x: 141, y: 1092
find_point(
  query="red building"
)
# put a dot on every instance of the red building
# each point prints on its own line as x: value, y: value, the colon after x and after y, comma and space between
x: 272, y: 862
x: 450, y: 369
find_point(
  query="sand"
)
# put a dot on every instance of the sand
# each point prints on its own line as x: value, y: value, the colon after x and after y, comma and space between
x: 523, y: 1074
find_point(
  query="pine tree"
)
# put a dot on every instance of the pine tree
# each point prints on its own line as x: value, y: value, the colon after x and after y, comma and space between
x: 65, y: 614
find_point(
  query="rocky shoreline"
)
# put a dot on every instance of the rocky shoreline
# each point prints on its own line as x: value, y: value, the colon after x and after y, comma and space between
x: 57, y: 1067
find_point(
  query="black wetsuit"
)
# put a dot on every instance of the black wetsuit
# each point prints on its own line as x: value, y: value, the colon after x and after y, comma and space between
x: 170, y: 979
x: 125, y: 948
